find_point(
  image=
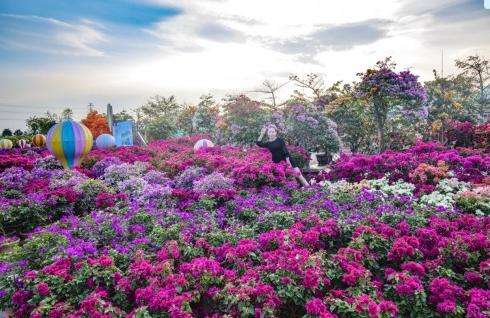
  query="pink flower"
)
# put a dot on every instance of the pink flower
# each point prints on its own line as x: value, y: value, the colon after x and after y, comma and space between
x: 478, y: 304
x: 31, y: 275
x: 408, y: 285
x: 311, y: 278
x: 105, y: 261
x: 60, y: 268
x: 354, y: 272
x: 388, y: 307
x: 43, y: 289
x: 403, y: 247
x: 446, y: 307
x: 315, y: 306
x: 444, y: 293
x: 414, y: 268
x: 311, y: 237
x: 141, y: 268
x: 473, y: 278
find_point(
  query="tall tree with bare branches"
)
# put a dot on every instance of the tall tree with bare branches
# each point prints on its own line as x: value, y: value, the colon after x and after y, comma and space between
x: 271, y: 88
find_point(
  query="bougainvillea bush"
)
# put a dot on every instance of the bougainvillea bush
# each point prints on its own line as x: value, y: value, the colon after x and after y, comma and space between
x: 163, y: 231
x: 424, y: 165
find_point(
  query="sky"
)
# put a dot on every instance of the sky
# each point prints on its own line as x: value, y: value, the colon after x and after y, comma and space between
x: 63, y: 53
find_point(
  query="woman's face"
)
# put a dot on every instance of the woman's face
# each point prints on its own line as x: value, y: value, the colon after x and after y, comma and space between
x: 271, y: 133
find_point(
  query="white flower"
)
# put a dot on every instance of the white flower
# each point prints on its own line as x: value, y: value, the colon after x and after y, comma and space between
x: 438, y: 199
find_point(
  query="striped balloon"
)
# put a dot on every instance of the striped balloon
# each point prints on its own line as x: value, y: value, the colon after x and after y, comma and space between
x: 202, y: 144
x: 22, y: 143
x: 6, y: 144
x: 105, y: 141
x: 39, y: 140
x: 69, y: 141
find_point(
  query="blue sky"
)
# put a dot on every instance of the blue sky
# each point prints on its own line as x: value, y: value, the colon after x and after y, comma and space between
x: 55, y: 54
x: 124, y: 12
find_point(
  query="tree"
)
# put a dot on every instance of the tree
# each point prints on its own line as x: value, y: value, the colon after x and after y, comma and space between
x: 244, y: 118
x: 313, y: 82
x: 96, y: 123
x: 18, y: 132
x: 478, y: 69
x: 205, y: 115
x: 271, y: 88
x: 449, y: 98
x: 122, y: 115
x: 6, y: 132
x: 387, y: 92
x: 41, y: 124
x: 159, y: 117
x: 355, y: 125
x: 185, y: 122
x: 308, y: 127
x: 66, y: 113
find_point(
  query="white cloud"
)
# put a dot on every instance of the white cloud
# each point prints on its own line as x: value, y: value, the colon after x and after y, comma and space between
x: 48, y: 35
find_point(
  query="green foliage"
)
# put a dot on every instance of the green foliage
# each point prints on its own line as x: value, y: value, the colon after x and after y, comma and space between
x: 122, y: 115
x: 477, y: 69
x: 160, y: 235
x: 6, y: 132
x: 307, y: 126
x: 352, y: 116
x: 474, y: 204
x: 16, y: 138
x: 38, y: 250
x: 88, y: 192
x: 23, y: 217
x: 159, y: 117
x: 184, y: 121
x: 450, y: 97
x: 41, y: 124
x: 244, y: 118
x: 205, y: 115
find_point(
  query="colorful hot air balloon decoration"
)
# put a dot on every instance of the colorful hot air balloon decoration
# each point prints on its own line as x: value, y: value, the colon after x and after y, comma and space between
x: 69, y: 141
x: 203, y: 144
x: 105, y: 141
x: 6, y: 144
x: 39, y: 140
x: 22, y: 143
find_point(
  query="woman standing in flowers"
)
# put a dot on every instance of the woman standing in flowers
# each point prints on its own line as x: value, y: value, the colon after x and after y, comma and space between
x: 278, y: 149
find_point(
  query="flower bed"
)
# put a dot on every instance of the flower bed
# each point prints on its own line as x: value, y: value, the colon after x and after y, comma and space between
x: 424, y: 165
x: 223, y: 232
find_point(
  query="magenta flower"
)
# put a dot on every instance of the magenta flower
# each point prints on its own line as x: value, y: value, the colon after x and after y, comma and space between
x: 43, y: 289
x: 315, y: 306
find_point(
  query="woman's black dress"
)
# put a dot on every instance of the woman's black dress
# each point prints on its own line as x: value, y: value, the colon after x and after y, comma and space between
x: 278, y: 150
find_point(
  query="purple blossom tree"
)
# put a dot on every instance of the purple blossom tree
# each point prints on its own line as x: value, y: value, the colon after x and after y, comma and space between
x: 384, y: 90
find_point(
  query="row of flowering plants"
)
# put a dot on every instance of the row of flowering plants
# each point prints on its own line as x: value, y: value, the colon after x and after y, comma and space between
x: 163, y: 231
x: 423, y: 165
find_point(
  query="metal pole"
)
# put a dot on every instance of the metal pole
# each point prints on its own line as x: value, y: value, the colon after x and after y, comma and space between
x: 110, y: 117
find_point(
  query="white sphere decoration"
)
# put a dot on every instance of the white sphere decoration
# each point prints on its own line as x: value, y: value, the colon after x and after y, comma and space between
x: 105, y: 141
x: 203, y: 144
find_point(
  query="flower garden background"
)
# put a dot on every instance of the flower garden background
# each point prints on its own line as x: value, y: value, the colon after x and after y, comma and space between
x: 398, y: 226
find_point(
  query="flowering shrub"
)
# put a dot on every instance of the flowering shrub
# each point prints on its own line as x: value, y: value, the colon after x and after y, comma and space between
x: 476, y: 200
x: 461, y: 134
x: 243, y: 118
x: 224, y: 232
x: 482, y: 136
x: 301, y: 119
x: 424, y: 164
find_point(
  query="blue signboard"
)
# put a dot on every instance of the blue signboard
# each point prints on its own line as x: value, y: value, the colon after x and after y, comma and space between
x: 123, y: 132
